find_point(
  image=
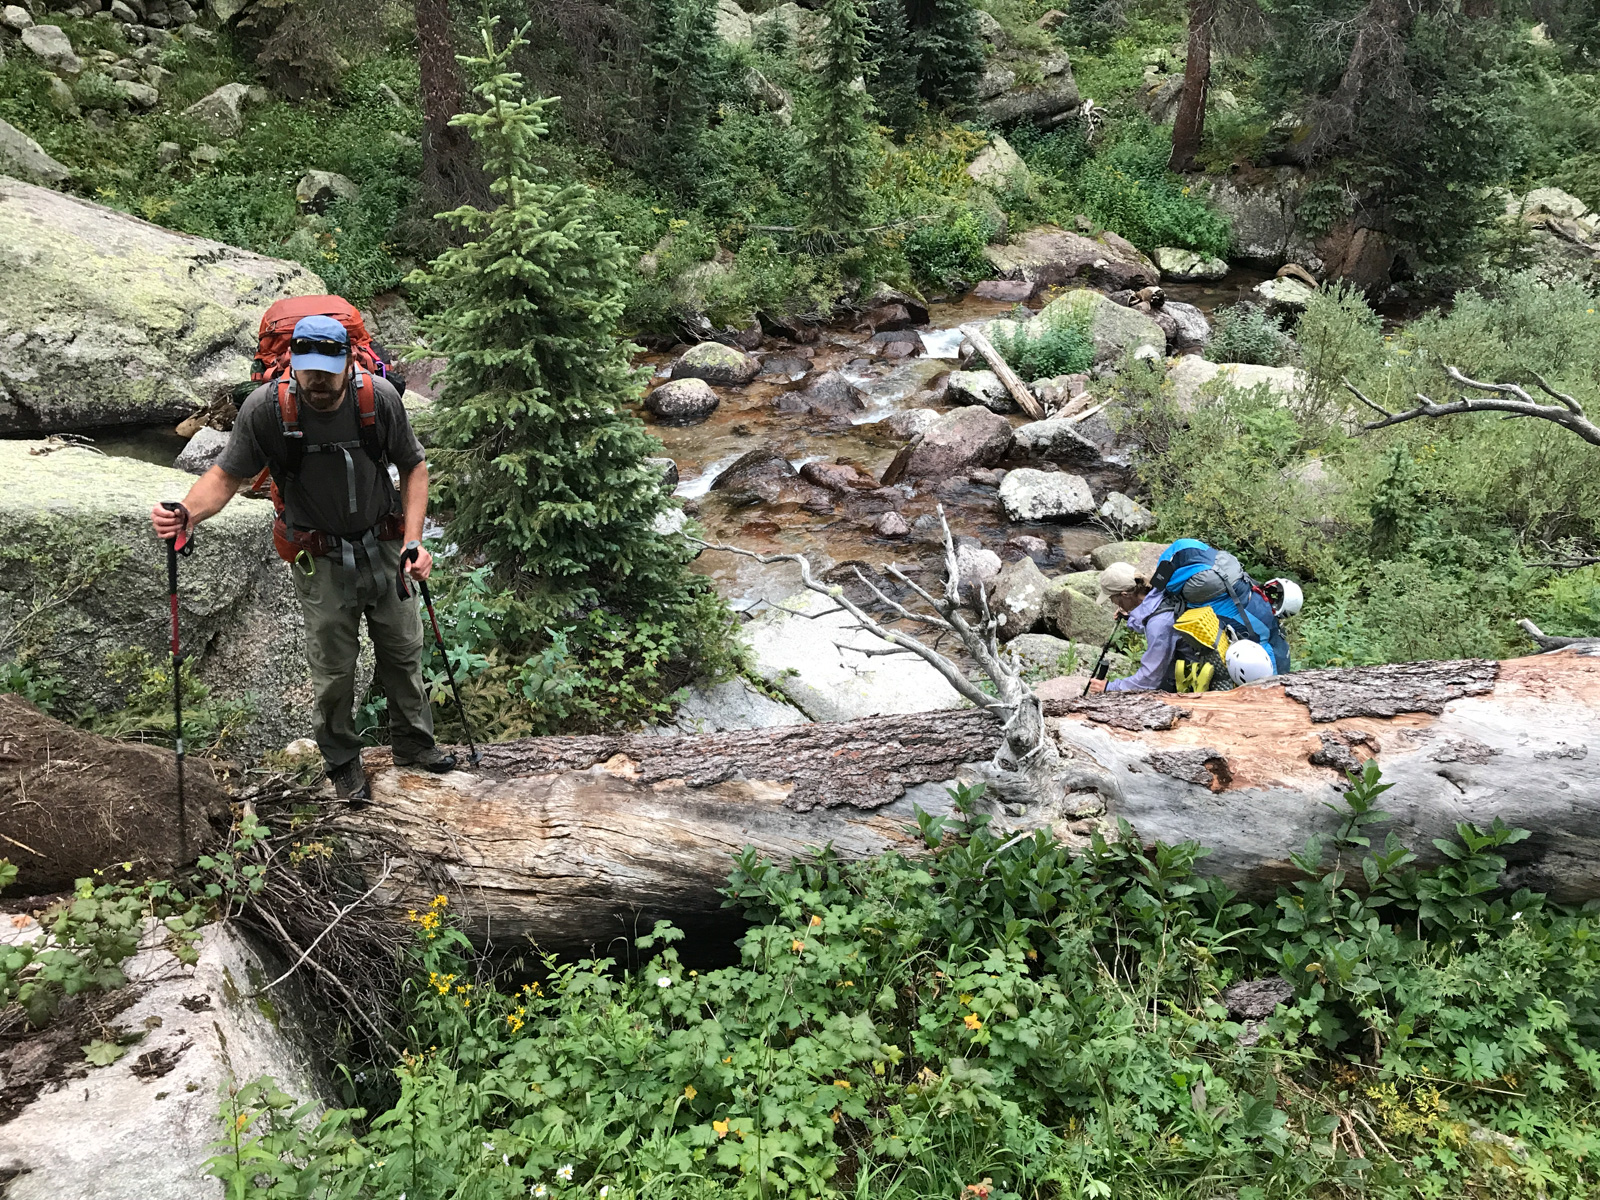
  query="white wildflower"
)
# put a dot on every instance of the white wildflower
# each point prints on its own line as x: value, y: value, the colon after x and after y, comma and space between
x: 506, y: 1159
x: 664, y: 982
x: 564, y: 1173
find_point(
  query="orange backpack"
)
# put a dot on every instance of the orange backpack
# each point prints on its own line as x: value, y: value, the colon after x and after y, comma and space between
x: 272, y: 364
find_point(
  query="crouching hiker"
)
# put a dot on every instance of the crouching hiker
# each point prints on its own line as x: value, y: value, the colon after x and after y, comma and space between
x: 326, y: 431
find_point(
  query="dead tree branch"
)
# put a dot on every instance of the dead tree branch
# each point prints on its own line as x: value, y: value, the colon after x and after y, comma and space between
x: 1547, y: 642
x: 1506, y: 398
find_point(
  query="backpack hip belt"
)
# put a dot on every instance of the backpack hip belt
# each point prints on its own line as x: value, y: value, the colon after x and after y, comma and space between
x: 291, y: 542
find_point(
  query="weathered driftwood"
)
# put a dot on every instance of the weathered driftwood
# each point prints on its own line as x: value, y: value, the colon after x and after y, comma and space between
x: 580, y: 841
x: 1002, y: 369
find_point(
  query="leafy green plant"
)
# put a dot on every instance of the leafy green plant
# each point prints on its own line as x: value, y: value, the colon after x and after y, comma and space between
x: 1058, y: 348
x: 210, y: 724
x: 1245, y: 333
x: 947, y: 252
x: 88, y: 936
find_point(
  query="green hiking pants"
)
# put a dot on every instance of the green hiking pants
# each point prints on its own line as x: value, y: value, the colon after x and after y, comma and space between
x: 334, y: 598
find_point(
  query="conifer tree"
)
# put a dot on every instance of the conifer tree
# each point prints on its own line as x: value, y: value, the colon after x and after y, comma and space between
x: 949, y: 50
x: 682, y: 70
x: 536, y: 459
x: 838, y: 137
x: 894, y: 66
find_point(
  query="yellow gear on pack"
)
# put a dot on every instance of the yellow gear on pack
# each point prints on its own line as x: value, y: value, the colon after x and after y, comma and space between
x: 1205, y: 643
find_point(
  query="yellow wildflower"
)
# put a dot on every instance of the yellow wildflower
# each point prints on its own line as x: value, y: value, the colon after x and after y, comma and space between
x: 844, y: 1083
x: 971, y: 1021
x: 721, y: 1127
x: 797, y: 945
x: 815, y: 920
x: 689, y: 1092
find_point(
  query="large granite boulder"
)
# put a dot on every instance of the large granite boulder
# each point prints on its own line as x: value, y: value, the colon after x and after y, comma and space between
x: 719, y: 365
x: 1030, y: 495
x: 83, y: 556
x: 979, y: 387
x: 222, y: 111
x: 1077, y: 616
x: 23, y: 157
x: 1187, y: 266
x: 1018, y: 597
x: 1262, y: 208
x: 1142, y: 556
x: 143, y: 1127
x: 1116, y: 330
x: 999, y: 168
x: 960, y: 440
x: 1050, y: 256
x: 108, y: 320
x: 1043, y: 103
x: 683, y: 401
x: 805, y: 658
x: 1188, y: 375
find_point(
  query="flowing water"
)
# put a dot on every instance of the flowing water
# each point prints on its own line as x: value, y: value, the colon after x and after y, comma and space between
x: 748, y: 418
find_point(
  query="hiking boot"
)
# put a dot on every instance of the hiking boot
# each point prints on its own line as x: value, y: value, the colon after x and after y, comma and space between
x: 432, y: 759
x: 350, y: 783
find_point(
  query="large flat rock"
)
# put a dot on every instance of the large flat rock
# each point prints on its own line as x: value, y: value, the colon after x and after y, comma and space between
x: 85, y: 583
x: 143, y: 1127
x: 109, y: 320
x: 801, y: 656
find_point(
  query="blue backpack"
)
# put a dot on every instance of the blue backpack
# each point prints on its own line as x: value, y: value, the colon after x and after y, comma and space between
x: 1195, y: 575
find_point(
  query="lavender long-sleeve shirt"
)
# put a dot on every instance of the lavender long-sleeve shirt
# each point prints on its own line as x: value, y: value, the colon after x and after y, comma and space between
x: 1160, y: 644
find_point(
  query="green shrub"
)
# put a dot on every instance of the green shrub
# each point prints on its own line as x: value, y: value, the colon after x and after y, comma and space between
x: 946, y: 253
x: 1245, y: 333
x: 1128, y: 189
x: 1059, y: 348
x: 1001, y: 1014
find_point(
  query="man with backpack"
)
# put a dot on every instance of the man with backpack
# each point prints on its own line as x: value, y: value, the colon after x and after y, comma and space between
x: 1207, y: 624
x: 327, y: 428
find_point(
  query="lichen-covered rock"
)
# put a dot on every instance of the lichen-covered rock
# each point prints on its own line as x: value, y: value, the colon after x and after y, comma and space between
x: 979, y: 387
x: 1048, y: 255
x: 1056, y: 439
x: 1192, y: 328
x: 1263, y: 212
x: 1188, y: 375
x: 891, y: 525
x: 807, y: 659
x: 1186, y: 266
x: 1030, y: 495
x: 23, y: 157
x: 1076, y: 616
x: 108, y: 320
x: 733, y: 23
x: 1127, y: 514
x: 50, y: 43
x: 78, y: 530
x: 318, y: 189
x: 222, y: 111
x: 202, y: 452
x: 683, y: 401
x: 143, y: 1127
x: 1042, y: 103
x: 1018, y: 596
x: 829, y: 394
x: 976, y: 567
x: 758, y: 476
x: 719, y: 365
x: 999, y: 168
x: 1143, y: 556
x: 911, y: 422
x: 733, y: 704
x: 1049, y: 656
x: 1286, y: 293
x: 1116, y: 330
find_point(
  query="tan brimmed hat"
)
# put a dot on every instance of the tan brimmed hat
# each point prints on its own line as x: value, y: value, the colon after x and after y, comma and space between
x: 1121, y: 577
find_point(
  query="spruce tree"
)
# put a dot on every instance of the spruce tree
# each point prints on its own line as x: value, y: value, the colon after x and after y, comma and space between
x: 682, y: 75
x: 894, y: 66
x: 535, y: 457
x: 838, y: 137
x: 949, y: 50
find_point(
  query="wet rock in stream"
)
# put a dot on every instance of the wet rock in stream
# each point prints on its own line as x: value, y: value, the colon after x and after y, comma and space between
x: 979, y: 387
x: 1031, y: 495
x: 717, y: 364
x: 828, y: 395
x: 683, y: 401
x: 959, y: 440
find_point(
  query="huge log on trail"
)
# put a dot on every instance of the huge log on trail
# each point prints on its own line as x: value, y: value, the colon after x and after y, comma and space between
x: 577, y: 842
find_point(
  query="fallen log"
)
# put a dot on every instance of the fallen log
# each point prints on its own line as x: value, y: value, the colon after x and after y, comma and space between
x: 579, y: 842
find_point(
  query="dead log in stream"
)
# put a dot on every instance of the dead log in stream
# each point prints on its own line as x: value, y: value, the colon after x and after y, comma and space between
x: 575, y: 842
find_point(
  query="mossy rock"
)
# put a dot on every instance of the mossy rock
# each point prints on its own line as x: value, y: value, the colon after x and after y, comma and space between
x: 83, y: 581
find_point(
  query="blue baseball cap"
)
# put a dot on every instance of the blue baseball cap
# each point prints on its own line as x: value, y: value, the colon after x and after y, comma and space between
x: 328, y: 335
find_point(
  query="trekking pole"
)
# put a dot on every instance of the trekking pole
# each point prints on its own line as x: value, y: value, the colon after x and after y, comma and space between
x: 183, y: 544
x: 1102, y: 667
x: 404, y: 591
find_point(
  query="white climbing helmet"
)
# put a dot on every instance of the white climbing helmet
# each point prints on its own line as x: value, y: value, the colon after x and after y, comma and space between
x: 1248, y: 662
x: 1285, y: 595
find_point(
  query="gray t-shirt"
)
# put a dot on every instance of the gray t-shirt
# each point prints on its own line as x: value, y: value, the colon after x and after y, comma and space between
x: 318, y: 497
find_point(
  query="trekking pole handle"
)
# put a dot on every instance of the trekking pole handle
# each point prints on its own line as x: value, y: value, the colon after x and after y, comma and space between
x: 402, y: 586
x: 183, y: 543
x: 1103, y: 667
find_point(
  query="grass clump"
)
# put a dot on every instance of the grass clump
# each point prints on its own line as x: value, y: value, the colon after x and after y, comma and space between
x: 1246, y: 333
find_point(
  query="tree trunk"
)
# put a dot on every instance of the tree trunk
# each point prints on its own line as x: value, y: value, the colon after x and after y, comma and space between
x: 574, y: 842
x: 1189, y: 126
x: 450, y: 175
x: 1377, y: 52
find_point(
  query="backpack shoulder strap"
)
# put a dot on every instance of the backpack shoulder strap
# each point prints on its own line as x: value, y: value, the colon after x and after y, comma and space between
x: 294, y: 438
x: 367, y: 416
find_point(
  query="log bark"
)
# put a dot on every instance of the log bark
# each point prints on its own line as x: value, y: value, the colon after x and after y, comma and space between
x: 578, y: 842
x: 1188, y: 128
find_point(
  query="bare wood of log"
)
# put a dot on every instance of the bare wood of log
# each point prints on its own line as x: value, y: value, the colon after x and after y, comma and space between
x: 576, y: 841
x: 1547, y: 641
x: 1505, y: 398
x: 1019, y: 390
